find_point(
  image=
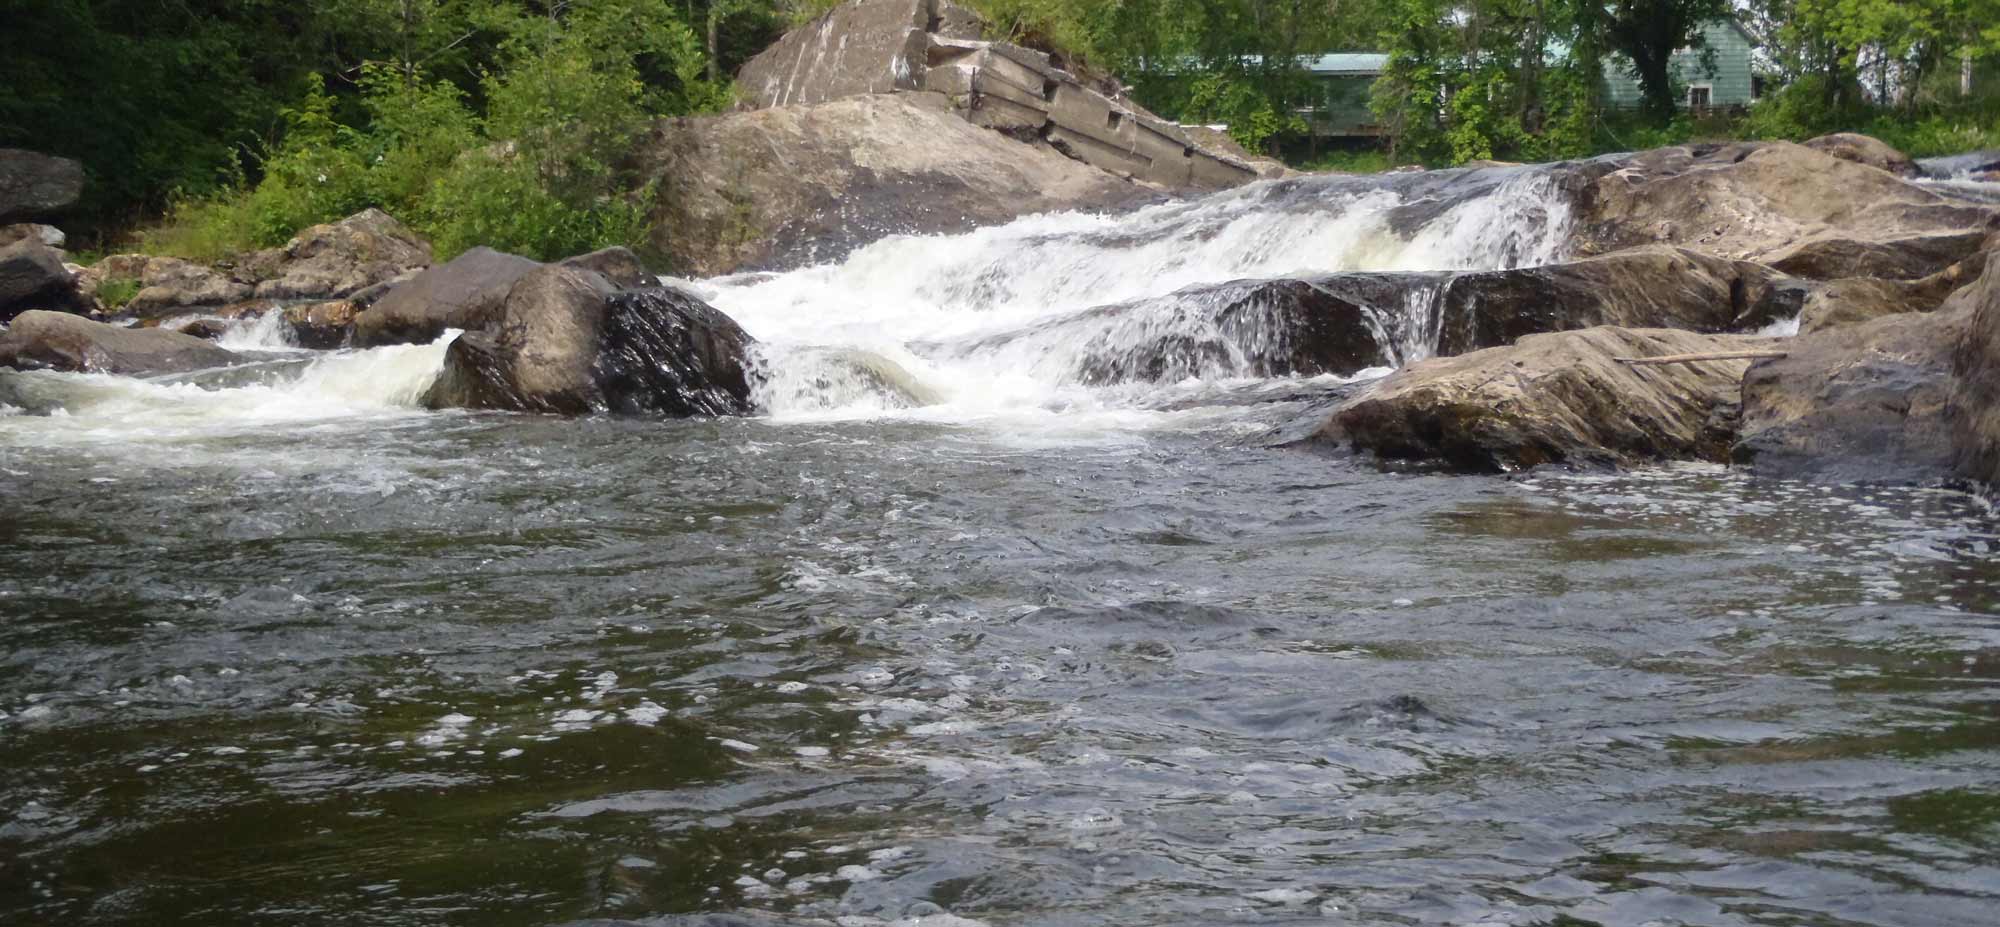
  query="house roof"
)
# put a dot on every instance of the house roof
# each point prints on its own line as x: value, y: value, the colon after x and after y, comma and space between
x: 1347, y: 63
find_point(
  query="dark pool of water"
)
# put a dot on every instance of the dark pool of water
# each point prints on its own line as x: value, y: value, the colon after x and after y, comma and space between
x: 499, y: 670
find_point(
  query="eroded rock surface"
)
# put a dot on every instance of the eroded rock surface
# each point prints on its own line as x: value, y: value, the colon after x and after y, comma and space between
x: 32, y: 276
x: 35, y: 185
x: 1554, y: 398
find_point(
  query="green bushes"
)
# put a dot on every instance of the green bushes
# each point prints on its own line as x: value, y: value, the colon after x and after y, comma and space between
x: 539, y: 169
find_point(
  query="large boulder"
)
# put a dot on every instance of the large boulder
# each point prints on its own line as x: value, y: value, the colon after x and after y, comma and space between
x: 871, y: 46
x: 1862, y: 403
x: 1834, y: 255
x: 789, y: 186
x: 570, y: 341
x: 1561, y: 398
x: 466, y: 292
x: 167, y: 284
x: 24, y: 231
x: 1974, y: 409
x: 1862, y: 149
x: 338, y: 259
x: 36, y: 186
x: 59, y: 341
x: 32, y: 276
x: 1759, y: 201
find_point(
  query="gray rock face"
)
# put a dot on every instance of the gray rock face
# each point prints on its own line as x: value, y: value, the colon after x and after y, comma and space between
x: 36, y: 186
x: 1779, y: 202
x: 902, y: 46
x: 1554, y: 398
x: 467, y: 292
x: 32, y: 276
x: 1640, y: 288
x: 1863, y: 403
x: 1854, y: 300
x: 167, y: 283
x: 775, y: 189
x: 25, y: 231
x: 338, y: 259
x: 1974, y: 407
x: 59, y: 341
x: 570, y: 342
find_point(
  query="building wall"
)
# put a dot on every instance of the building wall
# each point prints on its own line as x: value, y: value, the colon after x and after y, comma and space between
x: 1343, y: 108
x: 1729, y: 80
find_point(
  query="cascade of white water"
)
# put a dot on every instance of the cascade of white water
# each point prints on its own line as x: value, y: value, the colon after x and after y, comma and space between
x: 1010, y: 316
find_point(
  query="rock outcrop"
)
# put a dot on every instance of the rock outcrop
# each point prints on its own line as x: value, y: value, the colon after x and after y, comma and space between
x: 570, y: 341
x: 32, y: 276
x: 1639, y: 288
x: 30, y: 231
x: 1554, y: 398
x: 890, y: 46
x: 1861, y: 149
x: 35, y: 185
x: 466, y: 292
x: 785, y: 187
x: 1863, y: 403
x: 41, y: 340
x: 1804, y: 211
x: 1973, y: 412
x: 338, y: 259
x: 1854, y: 300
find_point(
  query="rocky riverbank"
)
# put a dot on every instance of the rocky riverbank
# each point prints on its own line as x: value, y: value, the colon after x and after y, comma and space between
x: 1533, y: 354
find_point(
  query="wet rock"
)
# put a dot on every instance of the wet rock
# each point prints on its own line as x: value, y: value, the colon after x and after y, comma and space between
x: 1974, y: 407
x: 616, y: 264
x: 569, y: 341
x: 467, y: 292
x: 205, y: 329
x: 32, y: 276
x: 1862, y: 149
x: 1553, y: 398
x: 1854, y: 300
x: 1899, y: 257
x: 59, y: 341
x: 1757, y: 201
x: 35, y: 185
x: 322, y: 325
x: 790, y: 186
x: 874, y: 46
x: 1641, y: 288
x: 338, y: 259
x: 1860, y: 403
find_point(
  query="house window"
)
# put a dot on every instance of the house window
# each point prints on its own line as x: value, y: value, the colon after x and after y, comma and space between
x: 1700, y: 96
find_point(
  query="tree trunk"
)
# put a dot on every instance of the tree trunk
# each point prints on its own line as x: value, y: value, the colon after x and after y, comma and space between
x: 1656, y: 84
x: 714, y: 28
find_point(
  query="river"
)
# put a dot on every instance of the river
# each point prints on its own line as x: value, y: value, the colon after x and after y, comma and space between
x: 960, y: 631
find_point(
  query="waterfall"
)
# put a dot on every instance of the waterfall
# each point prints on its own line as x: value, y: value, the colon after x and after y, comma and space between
x: 1055, y: 315
x: 1046, y: 311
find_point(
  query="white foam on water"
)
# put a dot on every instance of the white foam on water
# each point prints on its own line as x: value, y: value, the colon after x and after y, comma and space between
x: 873, y: 335
x: 146, y: 417
x: 267, y: 332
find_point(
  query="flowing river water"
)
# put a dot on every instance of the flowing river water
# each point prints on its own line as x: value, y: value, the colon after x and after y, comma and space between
x: 956, y: 634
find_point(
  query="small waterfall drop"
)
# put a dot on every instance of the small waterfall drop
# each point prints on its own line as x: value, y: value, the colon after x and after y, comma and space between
x: 1047, y: 311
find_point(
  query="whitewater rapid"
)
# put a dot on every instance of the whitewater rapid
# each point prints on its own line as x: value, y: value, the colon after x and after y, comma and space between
x: 991, y: 323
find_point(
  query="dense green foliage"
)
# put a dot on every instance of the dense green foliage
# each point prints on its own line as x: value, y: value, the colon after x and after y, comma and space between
x: 512, y: 122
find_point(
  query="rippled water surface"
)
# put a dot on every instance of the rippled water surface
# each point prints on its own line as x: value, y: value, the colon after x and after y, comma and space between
x: 450, y: 669
x: 961, y: 632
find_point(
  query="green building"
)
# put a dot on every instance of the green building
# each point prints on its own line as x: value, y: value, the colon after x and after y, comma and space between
x: 1718, y: 76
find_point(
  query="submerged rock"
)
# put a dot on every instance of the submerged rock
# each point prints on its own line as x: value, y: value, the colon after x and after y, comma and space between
x: 1553, y: 398
x: 569, y: 341
x: 58, y: 341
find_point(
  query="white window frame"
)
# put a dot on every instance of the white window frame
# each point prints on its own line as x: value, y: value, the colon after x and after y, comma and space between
x: 1708, y: 86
